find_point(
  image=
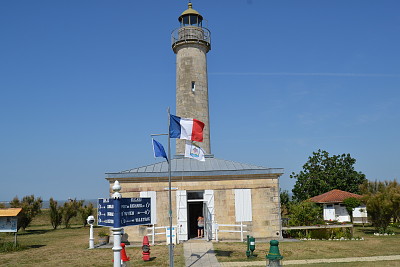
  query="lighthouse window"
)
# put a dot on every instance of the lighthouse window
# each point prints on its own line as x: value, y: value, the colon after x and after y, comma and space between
x: 185, y: 20
x: 193, y: 86
x: 193, y: 19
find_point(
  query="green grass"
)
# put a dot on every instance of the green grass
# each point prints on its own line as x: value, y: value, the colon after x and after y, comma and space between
x: 319, y: 249
x: 42, y: 246
x: 68, y: 247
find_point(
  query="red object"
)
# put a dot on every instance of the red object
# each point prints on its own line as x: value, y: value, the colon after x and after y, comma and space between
x: 333, y: 196
x: 146, y: 249
x: 124, y: 257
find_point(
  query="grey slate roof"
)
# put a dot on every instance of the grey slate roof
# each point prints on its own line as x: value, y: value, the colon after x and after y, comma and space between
x: 191, y: 167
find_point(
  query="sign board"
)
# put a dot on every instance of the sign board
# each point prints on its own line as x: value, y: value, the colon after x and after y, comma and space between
x: 167, y: 234
x: 134, y: 211
x: 8, y: 224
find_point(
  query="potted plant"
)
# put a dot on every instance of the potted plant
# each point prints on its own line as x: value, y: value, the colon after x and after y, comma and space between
x: 104, y: 236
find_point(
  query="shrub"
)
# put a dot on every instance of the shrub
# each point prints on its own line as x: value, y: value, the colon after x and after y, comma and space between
x: 70, y: 210
x: 85, y: 212
x: 30, y: 208
x: 305, y: 214
x: 320, y: 234
x: 351, y: 203
x: 103, y: 233
x: 56, y: 213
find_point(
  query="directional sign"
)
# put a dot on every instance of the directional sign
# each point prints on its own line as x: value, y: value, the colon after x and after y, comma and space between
x: 134, y: 211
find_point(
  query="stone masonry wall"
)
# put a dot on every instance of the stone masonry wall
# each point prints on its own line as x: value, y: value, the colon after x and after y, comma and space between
x: 265, y: 205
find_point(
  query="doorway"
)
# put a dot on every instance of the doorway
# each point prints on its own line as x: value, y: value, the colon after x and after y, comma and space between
x: 195, y: 209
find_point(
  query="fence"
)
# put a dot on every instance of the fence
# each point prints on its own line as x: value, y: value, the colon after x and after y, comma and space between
x: 241, y: 231
x: 154, y: 232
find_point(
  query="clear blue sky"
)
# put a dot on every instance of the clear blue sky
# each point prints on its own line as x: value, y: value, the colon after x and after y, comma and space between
x: 84, y: 83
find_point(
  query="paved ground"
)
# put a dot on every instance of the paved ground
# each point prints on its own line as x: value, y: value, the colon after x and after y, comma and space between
x: 198, y: 253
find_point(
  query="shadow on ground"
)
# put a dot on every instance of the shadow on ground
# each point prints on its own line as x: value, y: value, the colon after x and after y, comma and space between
x: 36, y: 246
x: 222, y: 253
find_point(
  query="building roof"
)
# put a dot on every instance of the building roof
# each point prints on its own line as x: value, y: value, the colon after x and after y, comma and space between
x: 190, y: 11
x: 333, y: 196
x: 191, y: 167
x: 9, y: 212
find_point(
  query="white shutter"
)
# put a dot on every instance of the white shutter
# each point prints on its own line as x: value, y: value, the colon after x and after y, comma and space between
x: 181, y: 207
x: 243, y: 205
x: 209, y: 214
x: 153, y: 196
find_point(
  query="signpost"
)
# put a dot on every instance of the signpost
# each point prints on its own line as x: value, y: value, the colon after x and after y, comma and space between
x: 134, y: 211
x: 118, y: 212
x: 9, y: 221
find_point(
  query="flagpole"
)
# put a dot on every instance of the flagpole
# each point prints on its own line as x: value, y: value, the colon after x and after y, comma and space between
x: 171, y: 250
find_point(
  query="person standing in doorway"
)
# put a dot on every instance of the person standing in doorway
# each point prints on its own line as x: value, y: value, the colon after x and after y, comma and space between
x: 200, y: 227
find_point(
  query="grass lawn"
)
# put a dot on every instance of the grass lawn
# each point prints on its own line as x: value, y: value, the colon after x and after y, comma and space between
x: 44, y: 246
x: 318, y: 249
x: 68, y: 247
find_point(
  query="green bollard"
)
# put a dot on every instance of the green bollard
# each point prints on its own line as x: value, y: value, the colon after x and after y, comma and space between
x: 274, y: 256
x: 248, y: 247
x: 252, y: 245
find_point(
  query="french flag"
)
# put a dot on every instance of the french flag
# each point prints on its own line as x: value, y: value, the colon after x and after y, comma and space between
x: 183, y: 128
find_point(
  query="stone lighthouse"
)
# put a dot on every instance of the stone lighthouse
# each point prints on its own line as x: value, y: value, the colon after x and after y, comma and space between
x: 224, y: 192
x: 191, y: 42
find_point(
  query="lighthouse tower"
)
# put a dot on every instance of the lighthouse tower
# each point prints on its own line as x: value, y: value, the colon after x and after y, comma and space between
x: 190, y: 43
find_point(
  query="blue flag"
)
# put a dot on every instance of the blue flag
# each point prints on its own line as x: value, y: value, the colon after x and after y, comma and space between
x: 159, y: 150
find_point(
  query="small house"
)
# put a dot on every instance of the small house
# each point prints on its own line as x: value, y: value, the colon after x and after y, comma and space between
x: 335, y: 210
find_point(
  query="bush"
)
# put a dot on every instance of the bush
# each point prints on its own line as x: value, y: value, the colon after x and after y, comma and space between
x: 305, y: 213
x: 56, y: 213
x: 30, y: 208
x: 351, y: 203
x: 85, y: 212
x: 70, y: 210
x: 320, y: 234
x: 103, y: 233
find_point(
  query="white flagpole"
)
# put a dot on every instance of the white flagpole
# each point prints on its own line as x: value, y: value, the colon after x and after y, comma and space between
x: 171, y: 248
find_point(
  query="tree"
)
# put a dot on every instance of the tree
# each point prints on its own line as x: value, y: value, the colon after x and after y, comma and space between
x: 85, y: 212
x: 285, y: 200
x: 383, y: 202
x: 351, y: 203
x: 305, y: 213
x: 56, y: 213
x: 70, y: 210
x: 30, y: 208
x: 322, y: 173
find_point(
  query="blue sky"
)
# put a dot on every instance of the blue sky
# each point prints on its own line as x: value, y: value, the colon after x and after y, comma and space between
x: 84, y: 83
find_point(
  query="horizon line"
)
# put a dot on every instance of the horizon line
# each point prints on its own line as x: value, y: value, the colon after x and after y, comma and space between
x: 306, y: 74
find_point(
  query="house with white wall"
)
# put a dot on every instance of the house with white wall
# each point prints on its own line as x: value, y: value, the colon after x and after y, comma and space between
x: 335, y: 210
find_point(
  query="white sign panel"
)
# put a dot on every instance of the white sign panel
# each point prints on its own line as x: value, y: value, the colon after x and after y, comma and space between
x: 167, y: 233
x: 8, y: 224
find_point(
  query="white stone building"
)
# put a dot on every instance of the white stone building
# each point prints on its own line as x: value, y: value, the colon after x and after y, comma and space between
x: 335, y: 210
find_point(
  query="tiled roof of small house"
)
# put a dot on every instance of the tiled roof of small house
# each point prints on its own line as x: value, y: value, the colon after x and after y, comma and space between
x: 10, y: 212
x: 333, y: 196
x: 191, y: 167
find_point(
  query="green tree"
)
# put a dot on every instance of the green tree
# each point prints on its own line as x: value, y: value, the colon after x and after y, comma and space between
x: 322, y: 173
x: 31, y: 207
x: 351, y: 203
x: 70, y: 210
x: 285, y: 200
x: 382, y: 200
x: 85, y: 212
x: 305, y: 213
x: 56, y: 213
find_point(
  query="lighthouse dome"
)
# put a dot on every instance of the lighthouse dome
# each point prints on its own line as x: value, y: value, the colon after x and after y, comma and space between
x: 190, y: 17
